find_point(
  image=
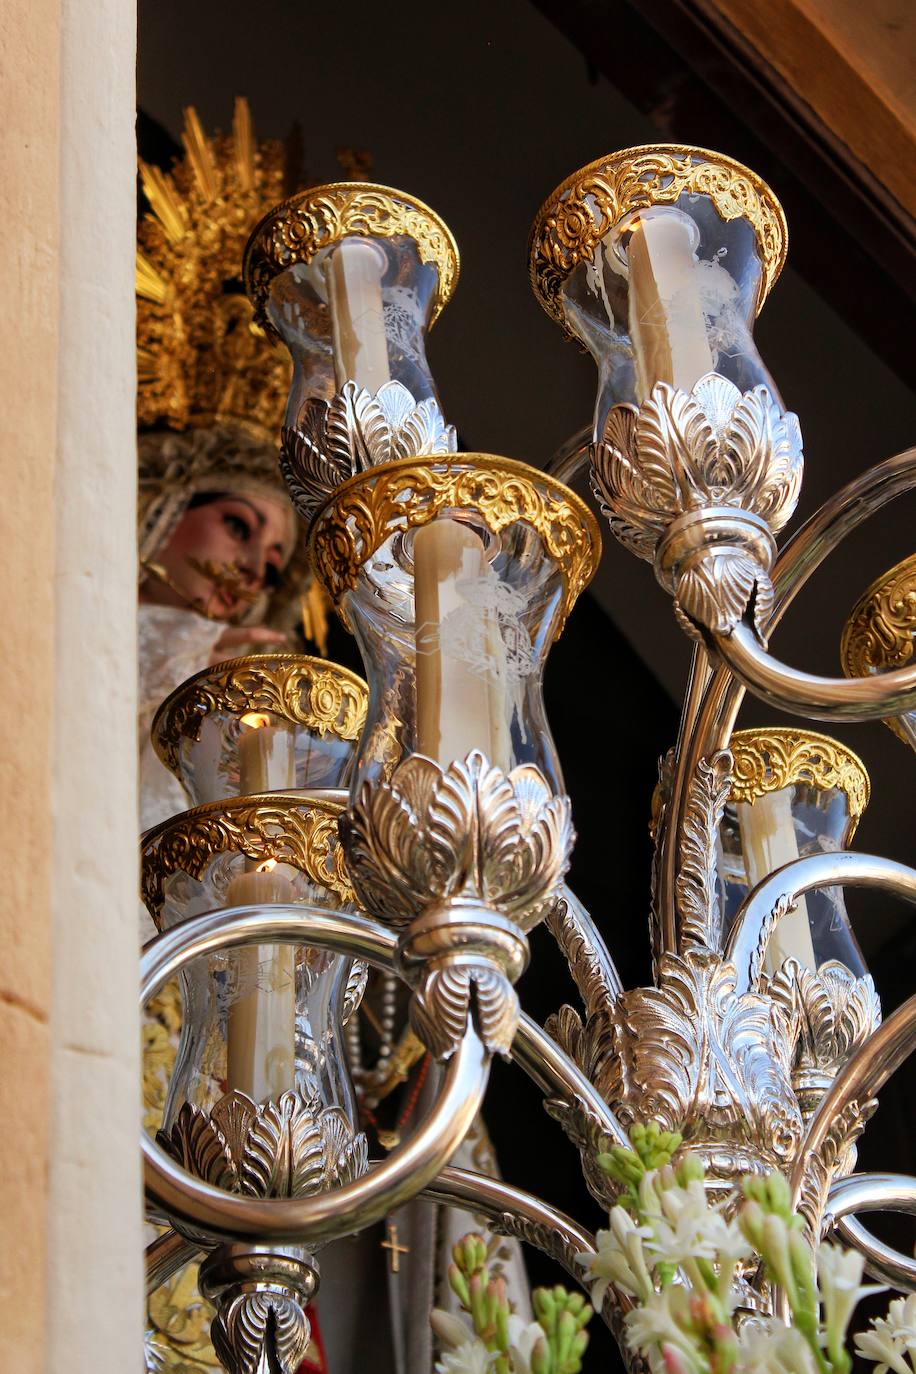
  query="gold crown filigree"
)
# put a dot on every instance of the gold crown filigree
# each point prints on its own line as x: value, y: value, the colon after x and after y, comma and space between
x: 200, y: 356
x: 767, y: 760
x: 586, y: 206
x: 300, y: 227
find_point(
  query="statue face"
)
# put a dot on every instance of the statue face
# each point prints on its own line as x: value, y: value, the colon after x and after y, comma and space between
x: 222, y: 554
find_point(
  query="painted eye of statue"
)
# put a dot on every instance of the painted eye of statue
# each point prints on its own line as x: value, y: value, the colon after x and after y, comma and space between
x: 237, y: 526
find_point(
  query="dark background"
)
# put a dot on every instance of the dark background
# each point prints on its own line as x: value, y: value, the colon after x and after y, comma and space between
x: 481, y: 110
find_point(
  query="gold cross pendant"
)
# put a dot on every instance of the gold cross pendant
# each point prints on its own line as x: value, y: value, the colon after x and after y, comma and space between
x: 395, y: 1250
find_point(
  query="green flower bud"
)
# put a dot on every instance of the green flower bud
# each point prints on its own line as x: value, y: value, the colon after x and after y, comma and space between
x: 459, y: 1285
x: 545, y: 1308
x: 541, y: 1361
x: 567, y: 1330
x: 690, y: 1170
x: 750, y: 1220
x: 470, y: 1254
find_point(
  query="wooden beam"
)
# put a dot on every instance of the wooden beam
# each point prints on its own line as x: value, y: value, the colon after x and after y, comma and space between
x: 853, y: 64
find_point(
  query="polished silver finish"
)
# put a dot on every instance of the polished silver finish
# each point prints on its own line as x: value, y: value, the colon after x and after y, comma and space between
x: 501, y: 843
x: 844, y: 1110
x: 191, y: 1202
x: 698, y: 484
x: 882, y: 1262
x: 333, y: 440
x: 260, y: 1297
x: 571, y: 1100
x: 832, y: 1013
x: 472, y: 816
x: 338, y: 931
x: 593, y: 970
x: 696, y: 898
x: 563, y: 1084
x: 712, y: 701
x: 291, y: 1147
x: 776, y: 896
x: 166, y: 1256
x: 561, y: 1080
x: 874, y: 1193
x: 675, y: 772
x: 823, y: 698
x: 513, y: 1212
x: 661, y: 1053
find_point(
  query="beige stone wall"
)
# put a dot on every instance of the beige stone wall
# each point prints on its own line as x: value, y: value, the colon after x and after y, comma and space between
x: 29, y: 287
x: 70, y: 1280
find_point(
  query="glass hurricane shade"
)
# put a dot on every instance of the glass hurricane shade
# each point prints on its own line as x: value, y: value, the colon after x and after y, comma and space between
x: 455, y: 593
x: 662, y: 269
x: 765, y: 825
x: 366, y: 303
x: 310, y: 710
x: 265, y: 1019
x: 350, y: 276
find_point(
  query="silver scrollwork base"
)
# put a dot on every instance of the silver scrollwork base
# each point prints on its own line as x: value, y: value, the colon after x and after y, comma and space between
x: 462, y: 860
x: 293, y: 1147
x: 260, y: 1296
x: 698, y: 483
x: 333, y: 440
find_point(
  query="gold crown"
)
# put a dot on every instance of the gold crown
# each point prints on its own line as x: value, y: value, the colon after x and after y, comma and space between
x: 201, y: 357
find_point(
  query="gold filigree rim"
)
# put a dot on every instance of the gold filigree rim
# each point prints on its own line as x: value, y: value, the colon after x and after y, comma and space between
x: 807, y: 757
x: 874, y: 640
x: 259, y: 268
x: 188, y: 705
x: 212, y: 822
x: 338, y: 568
x: 546, y: 286
x: 854, y: 665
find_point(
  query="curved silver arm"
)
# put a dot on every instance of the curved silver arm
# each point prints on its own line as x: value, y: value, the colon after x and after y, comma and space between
x: 861, y: 1078
x: 776, y: 895
x: 583, y: 946
x: 874, y: 1193
x: 708, y: 728
x: 454, y: 1188
x: 166, y: 1255
x: 803, y: 694
x: 340, y: 932
x: 825, y: 530
x: 571, y: 457
x: 323, y: 1216
x: 517, y: 1213
x: 801, y: 556
x: 358, y: 937
x: 557, y: 1076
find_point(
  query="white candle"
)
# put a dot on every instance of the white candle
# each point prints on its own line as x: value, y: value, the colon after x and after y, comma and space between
x: 262, y: 1018
x: 354, y: 272
x: 260, y: 1055
x: 667, y: 324
x: 460, y: 689
x: 767, y: 843
x: 267, y: 758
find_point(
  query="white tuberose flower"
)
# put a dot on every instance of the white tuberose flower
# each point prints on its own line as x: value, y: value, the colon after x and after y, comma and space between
x: 688, y: 1228
x: 892, y: 1338
x: 767, y: 1346
x: 471, y: 1358
x: 655, y: 1323
x: 523, y: 1337
x: 839, y: 1274
x: 620, y: 1259
x: 451, y: 1330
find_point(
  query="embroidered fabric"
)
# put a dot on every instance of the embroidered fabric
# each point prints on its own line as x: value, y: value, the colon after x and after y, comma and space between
x: 172, y: 643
